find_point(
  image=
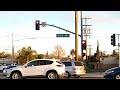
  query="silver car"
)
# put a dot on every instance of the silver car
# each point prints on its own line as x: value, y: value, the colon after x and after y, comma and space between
x: 74, y: 68
x: 8, y: 67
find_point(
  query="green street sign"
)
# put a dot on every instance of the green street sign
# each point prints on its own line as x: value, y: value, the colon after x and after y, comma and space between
x: 62, y: 35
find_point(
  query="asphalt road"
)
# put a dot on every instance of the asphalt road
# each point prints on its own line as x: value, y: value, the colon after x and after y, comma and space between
x: 87, y: 76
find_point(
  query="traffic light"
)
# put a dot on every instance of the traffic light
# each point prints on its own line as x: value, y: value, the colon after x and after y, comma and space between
x: 83, y: 54
x: 113, y: 42
x: 37, y: 23
x: 83, y: 44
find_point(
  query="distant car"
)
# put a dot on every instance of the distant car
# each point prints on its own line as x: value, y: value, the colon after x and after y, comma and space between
x: 50, y: 68
x: 8, y: 67
x: 113, y: 73
x: 2, y: 67
x: 74, y: 68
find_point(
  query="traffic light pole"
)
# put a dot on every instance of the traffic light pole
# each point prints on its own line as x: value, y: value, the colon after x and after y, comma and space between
x: 81, y: 36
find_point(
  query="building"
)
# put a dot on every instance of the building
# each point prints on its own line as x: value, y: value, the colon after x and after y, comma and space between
x: 6, y: 61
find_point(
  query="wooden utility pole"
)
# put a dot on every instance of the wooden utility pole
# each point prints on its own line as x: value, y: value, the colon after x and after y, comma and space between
x: 76, y: 35
x: 90, y: 49
x: 87, y: 31
x: 86, y: 39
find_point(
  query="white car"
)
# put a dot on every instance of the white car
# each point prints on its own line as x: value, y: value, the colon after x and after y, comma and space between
x: 74, y: 68
x: 50, y: 68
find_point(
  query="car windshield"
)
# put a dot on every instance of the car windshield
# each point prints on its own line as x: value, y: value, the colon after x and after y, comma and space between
x: 78, y: 64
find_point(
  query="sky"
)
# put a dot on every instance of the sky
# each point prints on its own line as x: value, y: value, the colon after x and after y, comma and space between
x: 22, y: 25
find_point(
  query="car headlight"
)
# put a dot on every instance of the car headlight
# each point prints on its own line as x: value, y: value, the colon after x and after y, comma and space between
x: 109, y: 71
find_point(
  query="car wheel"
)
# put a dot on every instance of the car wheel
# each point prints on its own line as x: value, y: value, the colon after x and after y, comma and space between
x: 4, y: 75
x: 67, y: 74
x: 16, y: 75
x: 52, y: 75
x: 117, y: 76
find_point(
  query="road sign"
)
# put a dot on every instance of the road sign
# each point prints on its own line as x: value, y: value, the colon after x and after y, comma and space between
x: 43, y: 24
x: 62, y: 35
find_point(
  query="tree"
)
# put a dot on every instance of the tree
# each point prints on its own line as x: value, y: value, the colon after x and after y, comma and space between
x: 59, y: 51
x: 4, y: 55
x: 97, y: 52
x: 114, y: 53
x: 26, y: 54
x: 40, y: 56
x: 72, y: 52
x: 51, y: 56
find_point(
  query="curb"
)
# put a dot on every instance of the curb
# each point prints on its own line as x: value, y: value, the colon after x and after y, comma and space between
x: 93, y: 75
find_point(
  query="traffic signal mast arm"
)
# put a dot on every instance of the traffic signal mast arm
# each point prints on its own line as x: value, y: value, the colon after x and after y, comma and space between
x: 61, y: 29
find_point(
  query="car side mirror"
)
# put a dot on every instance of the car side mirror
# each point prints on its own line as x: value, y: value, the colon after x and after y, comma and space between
x: 25, y: 66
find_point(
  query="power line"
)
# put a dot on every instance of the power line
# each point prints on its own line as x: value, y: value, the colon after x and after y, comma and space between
x: 101, y: 36
x: 5, y: 36
x: 22, y: 35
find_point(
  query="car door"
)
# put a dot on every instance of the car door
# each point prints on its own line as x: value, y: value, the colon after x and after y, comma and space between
x: 43, y: 67
x: 31, y: 68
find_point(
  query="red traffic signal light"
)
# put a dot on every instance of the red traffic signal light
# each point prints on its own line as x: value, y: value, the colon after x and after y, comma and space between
x: 83, y: 44
x: 37, y: 23
x: 83, y: 54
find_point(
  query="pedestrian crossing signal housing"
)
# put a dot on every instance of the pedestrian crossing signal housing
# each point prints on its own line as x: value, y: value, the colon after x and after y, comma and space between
x: 113, y: 41
x: 37, y: 25
x: 83, y: 44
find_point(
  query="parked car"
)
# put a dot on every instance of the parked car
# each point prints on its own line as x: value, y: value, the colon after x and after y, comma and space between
x: 50, y: 68
x: 2, y: 67
x: 113, y: 73
x: 8, y: 67
x: 74, y: 68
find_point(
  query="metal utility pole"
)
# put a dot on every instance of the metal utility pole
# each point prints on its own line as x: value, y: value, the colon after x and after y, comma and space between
x: 119, y: 49
x: 12, y: 50
x: 81, y: 35
x: 76, y: 35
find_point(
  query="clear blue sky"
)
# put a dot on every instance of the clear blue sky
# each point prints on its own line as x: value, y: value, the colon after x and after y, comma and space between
x: 22, y: 24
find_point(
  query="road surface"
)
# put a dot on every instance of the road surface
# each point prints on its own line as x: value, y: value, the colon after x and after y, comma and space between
x: 87, y: 76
